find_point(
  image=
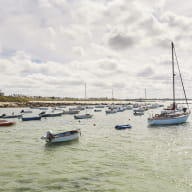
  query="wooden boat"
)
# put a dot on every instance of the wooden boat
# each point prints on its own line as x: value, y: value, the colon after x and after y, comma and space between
x: 6, y: 123
x: 83, y: 116
x: 173, y: 115
x: 31, y: 118
x: 61, y: 137
x: 123, y: 126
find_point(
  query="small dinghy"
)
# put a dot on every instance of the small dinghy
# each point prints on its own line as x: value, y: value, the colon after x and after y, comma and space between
x: 25, y: 111
x: 83, y: 116
x: 51, y: 114
x: 31, y: 118
x: 6, y: 123
x: 123, y: 126
x: 97, y: 110
x: 61, y: 137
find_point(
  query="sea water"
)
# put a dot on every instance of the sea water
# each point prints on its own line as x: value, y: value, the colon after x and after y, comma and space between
x: 140, y: 159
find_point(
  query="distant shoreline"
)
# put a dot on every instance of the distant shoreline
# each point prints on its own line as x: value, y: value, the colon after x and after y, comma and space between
x: 72, y: 102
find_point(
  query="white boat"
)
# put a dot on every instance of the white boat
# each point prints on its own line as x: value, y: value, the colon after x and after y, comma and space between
x: 172, y: 115
x: 61, y: 137
x: 111, y: 111
x: 168, y: 119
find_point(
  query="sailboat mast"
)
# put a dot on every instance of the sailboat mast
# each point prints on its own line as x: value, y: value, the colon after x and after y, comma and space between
x: 173, y: 71
x: 85, y: 91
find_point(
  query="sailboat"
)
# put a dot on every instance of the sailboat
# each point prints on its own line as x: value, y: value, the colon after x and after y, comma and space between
x: 172, y: 115
x: 86, y: 115
x: 112, y: 109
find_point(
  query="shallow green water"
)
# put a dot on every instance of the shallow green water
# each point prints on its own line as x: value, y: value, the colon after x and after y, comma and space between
x: 151, y: 159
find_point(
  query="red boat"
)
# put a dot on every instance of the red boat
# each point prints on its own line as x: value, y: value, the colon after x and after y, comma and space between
x: 6, y: 123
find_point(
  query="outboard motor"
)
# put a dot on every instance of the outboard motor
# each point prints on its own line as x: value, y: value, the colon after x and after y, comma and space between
x: 49, y: 135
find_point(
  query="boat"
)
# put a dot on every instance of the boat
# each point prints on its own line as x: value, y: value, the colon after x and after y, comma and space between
x: 111, y: 111
x: 6, y: 123
x: 83, y: 116
x: 70, y: 112
x: 123, y: 126
x: 172, y: 116
x: 86, y: 115
x: 31, y: 118
x: 139, y: 111
x: 97, y: 110
x: 25, y: 111
x: 61, y: 137
x: 4, y: 116
x: 51, y: 114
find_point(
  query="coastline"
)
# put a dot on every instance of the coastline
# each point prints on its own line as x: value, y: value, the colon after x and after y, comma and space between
x: 63, y: 103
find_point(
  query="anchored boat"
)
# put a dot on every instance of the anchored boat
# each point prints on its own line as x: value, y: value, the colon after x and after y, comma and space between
x: 6, y: 123
x: 61, y: 137
x: 173, y: 115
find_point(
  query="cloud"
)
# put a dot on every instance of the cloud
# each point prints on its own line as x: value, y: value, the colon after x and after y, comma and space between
x: 147, y: 72
x: 121, y: 42
x: 46, y: 45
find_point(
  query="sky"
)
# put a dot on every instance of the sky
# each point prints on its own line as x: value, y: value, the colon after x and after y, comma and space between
x: 54, y: 47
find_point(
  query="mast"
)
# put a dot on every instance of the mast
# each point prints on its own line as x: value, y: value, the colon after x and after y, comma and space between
x: 173, y: 71
x: 145, y: 94
x: 85, y: 91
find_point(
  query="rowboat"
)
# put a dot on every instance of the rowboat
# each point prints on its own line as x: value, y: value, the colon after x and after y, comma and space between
x: 6, y: 123
x: 31, y: 118
x: 61, y: 137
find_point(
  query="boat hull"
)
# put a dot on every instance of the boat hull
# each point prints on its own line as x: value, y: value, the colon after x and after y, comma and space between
x: 86, y: 116
x: 170, y: 121
x: 122, y: 126
x: 31, y: 118
x: 7, y: 123
x: 64, y: 139
x: 61, y: 137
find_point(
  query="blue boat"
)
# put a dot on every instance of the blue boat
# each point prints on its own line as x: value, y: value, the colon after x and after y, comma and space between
x: 123, y: 126
x: 4, y: 116
x: 31, y: 118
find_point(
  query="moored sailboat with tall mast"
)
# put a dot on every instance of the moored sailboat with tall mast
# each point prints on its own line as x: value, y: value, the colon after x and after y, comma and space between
x: 173, y: 115
x: 86, y: 115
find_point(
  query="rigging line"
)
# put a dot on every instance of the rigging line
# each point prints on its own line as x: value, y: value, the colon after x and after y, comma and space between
x: 181, y: 79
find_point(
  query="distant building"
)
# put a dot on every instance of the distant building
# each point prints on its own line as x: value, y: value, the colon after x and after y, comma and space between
x: 1, y: 93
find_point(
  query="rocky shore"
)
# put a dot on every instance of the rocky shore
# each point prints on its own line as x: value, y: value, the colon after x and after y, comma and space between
x: 58, y: 103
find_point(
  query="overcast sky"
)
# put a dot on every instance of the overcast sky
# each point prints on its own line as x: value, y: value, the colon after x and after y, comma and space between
x: 52, y: 47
